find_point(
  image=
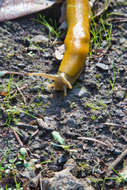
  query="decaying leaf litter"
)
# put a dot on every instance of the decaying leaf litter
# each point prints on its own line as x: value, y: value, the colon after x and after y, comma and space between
x: 94, y: 110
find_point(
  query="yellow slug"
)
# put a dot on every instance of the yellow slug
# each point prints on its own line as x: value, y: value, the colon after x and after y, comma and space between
x: 76, y: 45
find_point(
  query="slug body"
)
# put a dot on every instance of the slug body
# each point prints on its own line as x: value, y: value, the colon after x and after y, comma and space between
x: 76, y: 45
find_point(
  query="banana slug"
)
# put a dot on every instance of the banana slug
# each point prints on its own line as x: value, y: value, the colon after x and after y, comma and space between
x: 76, y: 45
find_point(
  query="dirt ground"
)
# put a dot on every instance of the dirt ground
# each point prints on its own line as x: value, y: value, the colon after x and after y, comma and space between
x: 92, y: 118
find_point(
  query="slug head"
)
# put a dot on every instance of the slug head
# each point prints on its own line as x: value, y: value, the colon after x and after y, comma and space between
x: 61, y: 81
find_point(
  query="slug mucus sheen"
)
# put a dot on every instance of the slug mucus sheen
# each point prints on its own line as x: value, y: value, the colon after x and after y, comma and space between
x: 76, y: 45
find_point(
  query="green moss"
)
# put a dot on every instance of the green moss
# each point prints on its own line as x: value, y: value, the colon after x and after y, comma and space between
x: 98, y: 105
x: 93, y: 117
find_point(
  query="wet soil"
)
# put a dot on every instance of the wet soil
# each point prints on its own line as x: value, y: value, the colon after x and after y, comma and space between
x: 95, y: 109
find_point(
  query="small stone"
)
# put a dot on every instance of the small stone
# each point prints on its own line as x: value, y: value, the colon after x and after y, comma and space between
x: 120, y: 95
x: 35, y: 146
x: 102, y: 66
x: 81, y: 92
x: 71, y: 123
x: 1, y: 45
x: 117, y: 152
x: 65, y: 180
x: 60, y: 52
x: 54, y: 167
x: 39, y: 39
x: 122, y: 40
x: 104, y: 43
x: 19, y: 57
x: 21, y: 66
x: 91, y: 84
x: 43, y: 158
x: 125, y: 44
x: 24, y: 137
x: 119, y: 113
x: 62, y: 159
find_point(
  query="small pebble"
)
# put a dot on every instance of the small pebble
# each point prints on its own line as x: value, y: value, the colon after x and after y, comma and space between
x: 24, y: 137
x: 60, y: 52
x: 120, y: 95
x: 39, y: 39
x: 81, y: 92
x: 35, y: 146
x: 91, y: 84
x: 62, y: 160
x: 1, y: 45
x: 102, y: 66
x: 21, y: 66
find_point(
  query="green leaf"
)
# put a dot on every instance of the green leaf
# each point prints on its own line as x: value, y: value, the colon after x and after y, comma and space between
x: 58, y: 138
x: 23, y: 151
x: 26, y: 165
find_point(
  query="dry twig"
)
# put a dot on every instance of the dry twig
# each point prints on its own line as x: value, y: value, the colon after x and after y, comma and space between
x: 95, y: 140
x: 35, y: 133
x: 18, y: 138
x: 118, y: 20
x: 118, y: 159
x: 103, y: 9
x: 112, y: 124
x: 19, y: 89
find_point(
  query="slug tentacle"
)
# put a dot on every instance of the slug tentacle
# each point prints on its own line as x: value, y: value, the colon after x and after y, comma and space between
x: 60, y: 80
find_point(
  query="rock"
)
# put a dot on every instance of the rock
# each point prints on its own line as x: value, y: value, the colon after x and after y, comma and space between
x: 62, y: 159
x: 104, y: 43
x: 21, y: 66
x: 102, y: 66
x: 120, y: 95
x: 125, y: 44
x: 91, y: 84
x: 20, y: 57
x: 24, y: 136
x: 59, y: 52
x: 43, y: 158
x: 35, y: 146
x: 119, y: 113
x: 44, y: 125
x: 122, y: 40
x: 81, y: 92
x: 64, y: 180
x: 39, y: 39
x: 54, y: 167
x: 72, y: 123
x: 1, y: 45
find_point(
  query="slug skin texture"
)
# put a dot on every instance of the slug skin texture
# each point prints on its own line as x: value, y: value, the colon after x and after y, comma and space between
x: 76, y: 45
